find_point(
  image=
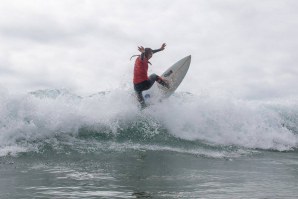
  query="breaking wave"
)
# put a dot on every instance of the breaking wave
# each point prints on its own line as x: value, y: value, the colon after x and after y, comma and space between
x: 60, y: 121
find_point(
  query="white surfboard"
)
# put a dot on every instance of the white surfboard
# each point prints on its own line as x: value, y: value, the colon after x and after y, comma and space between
x: 174, y: 76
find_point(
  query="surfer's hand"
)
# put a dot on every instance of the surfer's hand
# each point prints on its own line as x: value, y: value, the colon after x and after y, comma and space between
x: 163, y: 46
x: 141, y: 49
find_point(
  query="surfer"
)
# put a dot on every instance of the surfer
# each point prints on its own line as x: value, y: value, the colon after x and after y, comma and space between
x: 141, y: 80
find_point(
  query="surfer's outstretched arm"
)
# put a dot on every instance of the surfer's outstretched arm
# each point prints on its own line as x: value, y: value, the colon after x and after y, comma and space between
x: 145, y: 51
x: 160, y: 49
x: 142, y: 49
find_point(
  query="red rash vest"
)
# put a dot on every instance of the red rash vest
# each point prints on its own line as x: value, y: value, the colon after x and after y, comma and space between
x: 140, y: 70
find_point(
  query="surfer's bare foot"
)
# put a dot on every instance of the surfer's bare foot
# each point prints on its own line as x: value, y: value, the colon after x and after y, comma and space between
x: 166, y: 84
x: 163, y: 83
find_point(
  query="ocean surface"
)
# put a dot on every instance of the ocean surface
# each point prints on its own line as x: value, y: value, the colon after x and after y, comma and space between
x: 56, y: 144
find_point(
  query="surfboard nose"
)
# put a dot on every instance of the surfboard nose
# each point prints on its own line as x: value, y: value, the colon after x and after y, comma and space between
x: 188, y: 58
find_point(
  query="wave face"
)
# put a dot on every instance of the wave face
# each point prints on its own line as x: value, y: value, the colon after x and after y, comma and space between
x: 61, y: 122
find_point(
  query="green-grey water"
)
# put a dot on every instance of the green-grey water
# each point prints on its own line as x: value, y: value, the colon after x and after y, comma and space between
x: 149, y: 174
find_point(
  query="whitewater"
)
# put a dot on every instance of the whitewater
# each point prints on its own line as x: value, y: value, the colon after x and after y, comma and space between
x: 186, y: 119
x: 79, y: 143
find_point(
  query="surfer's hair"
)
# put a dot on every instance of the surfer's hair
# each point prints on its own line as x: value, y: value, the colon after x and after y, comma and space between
x: 148, y: 51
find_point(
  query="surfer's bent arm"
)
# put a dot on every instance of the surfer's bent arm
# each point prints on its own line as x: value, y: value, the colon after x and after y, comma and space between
x: 142, y: 50
x: 142, y: 56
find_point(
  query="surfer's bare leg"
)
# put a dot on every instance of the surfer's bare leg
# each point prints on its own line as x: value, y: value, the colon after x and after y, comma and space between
x: 152, y: 78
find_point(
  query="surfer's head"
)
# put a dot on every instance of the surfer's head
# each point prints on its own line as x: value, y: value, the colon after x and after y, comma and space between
x: 148, y: 53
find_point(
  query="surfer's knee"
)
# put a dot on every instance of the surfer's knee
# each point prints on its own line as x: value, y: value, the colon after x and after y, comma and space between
x: 153, y: 77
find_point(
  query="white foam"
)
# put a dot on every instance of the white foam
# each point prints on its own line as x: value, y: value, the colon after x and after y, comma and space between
x: 226, y: 122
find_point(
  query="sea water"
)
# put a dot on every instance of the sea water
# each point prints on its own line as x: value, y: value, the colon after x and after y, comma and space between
x: 56, y: 144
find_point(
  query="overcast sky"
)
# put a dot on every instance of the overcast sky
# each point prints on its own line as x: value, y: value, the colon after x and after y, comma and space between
x: 248, y: 48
